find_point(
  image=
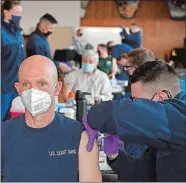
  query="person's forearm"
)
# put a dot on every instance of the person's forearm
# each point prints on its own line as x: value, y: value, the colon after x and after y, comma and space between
x: 66, y: 89
x: 114, y: 67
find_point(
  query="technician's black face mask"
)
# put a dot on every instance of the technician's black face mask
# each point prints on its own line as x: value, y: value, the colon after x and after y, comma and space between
x: 47, y: 34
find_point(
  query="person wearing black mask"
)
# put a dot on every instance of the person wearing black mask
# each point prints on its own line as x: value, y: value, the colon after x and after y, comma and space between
x: 12, y: 53
x: 38, y: 40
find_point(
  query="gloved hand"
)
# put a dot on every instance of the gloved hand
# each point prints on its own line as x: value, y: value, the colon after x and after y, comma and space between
x: 92, y: 134
x: 111, y: 145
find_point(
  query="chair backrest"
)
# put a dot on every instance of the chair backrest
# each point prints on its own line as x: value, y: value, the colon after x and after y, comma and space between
x: 64, y: 55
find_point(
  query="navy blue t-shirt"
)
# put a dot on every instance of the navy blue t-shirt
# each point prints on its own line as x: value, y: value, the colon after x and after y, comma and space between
x: 48, y: 154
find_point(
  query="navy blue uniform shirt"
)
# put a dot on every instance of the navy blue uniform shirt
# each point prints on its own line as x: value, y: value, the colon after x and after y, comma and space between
x: 12, y: 55
x: 48, y: 154
x: 161, y: 125
x: 119, y: 49
x: 132, y: 39
x: 38, y: 45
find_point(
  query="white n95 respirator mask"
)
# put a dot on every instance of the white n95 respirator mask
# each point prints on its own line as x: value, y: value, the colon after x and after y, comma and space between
x: 36, y: 101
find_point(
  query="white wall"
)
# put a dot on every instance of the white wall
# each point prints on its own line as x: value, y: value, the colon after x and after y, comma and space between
x: 99, y: 35
x: 67, y: 13
x: 61, y: 38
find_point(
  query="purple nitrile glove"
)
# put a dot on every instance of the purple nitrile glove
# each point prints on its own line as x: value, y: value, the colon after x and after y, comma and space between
x: 111, y: 145
x: 92, y: 134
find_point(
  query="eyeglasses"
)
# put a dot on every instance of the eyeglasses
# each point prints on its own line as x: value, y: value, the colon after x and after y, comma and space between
x: 129, y: 67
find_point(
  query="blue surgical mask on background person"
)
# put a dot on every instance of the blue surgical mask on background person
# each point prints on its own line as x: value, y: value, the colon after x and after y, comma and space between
x: 88, y: 67
x: 15, y: 20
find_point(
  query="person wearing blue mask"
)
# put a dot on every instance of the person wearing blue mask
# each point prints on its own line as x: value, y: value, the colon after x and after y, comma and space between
x: 155, y: 116
x: 12, y: 53
x: 89, y: 79
x: 38, y: 40
x: 43, y: 145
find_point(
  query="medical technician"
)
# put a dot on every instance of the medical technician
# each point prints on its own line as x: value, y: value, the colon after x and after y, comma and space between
x: 12, y: 53
x: 155, y: 115
x: 38, y: 40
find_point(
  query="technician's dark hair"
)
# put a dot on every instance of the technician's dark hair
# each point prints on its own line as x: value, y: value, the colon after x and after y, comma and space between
x: 49, y: 18
x: 8, y: 5
x: 157, y: 74
x: 139, y: 56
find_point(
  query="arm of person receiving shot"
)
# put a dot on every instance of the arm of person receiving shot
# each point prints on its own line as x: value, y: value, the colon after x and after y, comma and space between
x: 88, y: 161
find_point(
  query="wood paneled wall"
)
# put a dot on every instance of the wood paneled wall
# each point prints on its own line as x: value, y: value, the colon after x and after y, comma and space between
x: 160, y: 33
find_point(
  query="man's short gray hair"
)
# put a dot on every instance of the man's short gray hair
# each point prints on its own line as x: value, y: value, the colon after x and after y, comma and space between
x: 91, y: 53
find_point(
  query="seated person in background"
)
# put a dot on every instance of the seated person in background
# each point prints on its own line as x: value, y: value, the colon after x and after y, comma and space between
x: 134, y: 39
x: 88, y: 79
x: 38, y: 40
x: 44, y: 146
x: 134, y: 59
x: 107, y: 63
